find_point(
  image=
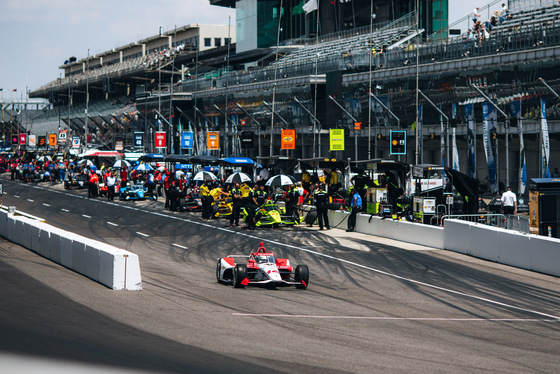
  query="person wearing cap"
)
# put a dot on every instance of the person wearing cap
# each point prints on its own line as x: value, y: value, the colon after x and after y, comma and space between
x: 475, y: 15
x: 509, y: 202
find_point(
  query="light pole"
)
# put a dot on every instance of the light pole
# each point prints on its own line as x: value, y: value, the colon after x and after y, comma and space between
x: 416, y: 155
x: 275, y: 74
x: 369, y: 99
x: 87, y: 101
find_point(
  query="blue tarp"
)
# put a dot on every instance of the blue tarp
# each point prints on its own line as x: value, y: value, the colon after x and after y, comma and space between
x: 238, y: 160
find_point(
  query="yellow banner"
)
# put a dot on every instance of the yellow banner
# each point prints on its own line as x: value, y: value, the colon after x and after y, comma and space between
x: 336, y: 139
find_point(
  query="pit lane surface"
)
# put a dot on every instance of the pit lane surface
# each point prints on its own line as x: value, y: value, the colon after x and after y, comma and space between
x: 370, y: 307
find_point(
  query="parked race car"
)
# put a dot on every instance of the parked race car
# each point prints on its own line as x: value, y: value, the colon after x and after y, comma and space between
x: 78, y: 181
x: 261, y: 268
x: 270, y: 215
x: 136, y: 192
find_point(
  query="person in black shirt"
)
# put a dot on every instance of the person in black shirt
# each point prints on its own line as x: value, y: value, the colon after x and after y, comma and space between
x: 236, y: 197
x: 321, y: 197
x: 292, y: 198
x: 260, y: 196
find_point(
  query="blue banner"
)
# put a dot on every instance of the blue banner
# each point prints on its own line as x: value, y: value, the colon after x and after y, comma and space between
x: 515, y: 109
x: 187, y: 140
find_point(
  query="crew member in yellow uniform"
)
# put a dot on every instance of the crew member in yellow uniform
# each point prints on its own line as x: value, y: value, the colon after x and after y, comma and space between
x: 206, y: 199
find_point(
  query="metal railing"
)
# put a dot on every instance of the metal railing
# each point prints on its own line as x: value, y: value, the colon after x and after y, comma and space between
x: 509, y: 222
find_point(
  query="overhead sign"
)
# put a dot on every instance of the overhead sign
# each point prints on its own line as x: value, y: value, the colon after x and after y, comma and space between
x: 138, y: 139
x: 23, y: 138
x: 160, y: 139
x: 62, y: 136
x: 53, y: 140
x: 32, y: 140
x: 42, y: 141
x: 15, y: 139
x: 119, y: 144
x: 397, y: 145
x: 213, y: 140
x: 187, y: 140
x: 357, y: 125
x: 336, y: 139
x: 76, y: 142
x: 288, y: 140
x: 247, y: 141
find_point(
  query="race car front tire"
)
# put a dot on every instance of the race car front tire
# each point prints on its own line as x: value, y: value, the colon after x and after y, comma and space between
x: 218, y: 268
x: 302, y: 275
x: 239, y: 274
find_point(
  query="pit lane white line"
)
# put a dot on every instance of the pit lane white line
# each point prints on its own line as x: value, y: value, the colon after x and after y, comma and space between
x: 31, y: 201
x: 65, y: 210
x: 86, y: 216
x: 112, y: 224
x: 178, y: 245
x: 142, y: 234
x: 45, y: 204
x: 16, y: 196
x: 428, y: 319
x: 443, y: 289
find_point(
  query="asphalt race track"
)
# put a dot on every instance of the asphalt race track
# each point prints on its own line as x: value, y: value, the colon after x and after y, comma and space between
x: 373, y: 305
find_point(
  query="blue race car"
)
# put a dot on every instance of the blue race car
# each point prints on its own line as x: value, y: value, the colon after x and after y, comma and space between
x: 136, y: 192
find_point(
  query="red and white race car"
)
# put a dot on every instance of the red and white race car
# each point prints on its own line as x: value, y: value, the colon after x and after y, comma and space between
x: 262, y: 268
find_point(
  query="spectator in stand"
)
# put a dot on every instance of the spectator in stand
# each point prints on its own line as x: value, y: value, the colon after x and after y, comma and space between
x: 504, y: 13
x: 475, y: 15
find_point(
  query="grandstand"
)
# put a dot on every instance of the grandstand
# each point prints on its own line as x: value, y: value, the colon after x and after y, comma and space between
x: 311, y: 72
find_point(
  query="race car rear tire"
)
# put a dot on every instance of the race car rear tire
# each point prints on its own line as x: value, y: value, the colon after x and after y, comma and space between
x: 302, y: 275
x: 215, y: 211
x: 239, y: 274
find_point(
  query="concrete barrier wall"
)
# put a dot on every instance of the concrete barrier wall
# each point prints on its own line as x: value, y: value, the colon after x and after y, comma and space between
x: 108, y: 265
x: 410, y: 232
x: 526, y: 251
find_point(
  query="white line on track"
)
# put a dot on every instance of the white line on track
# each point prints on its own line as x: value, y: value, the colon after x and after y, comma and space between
x: 16, y: 196
x: 112, y: 224
x: 178, y: 245
x: 436, y: 319
x: 45, y: 204
x: 31, y: 201
x: 86, y: 216
x: 355, y: 264
x: 142, y: 234
x: 65, y: 210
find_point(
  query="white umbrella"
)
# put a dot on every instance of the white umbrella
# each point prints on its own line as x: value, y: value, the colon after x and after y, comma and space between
x: 204, y: 176
x: 87, y: 162
x: 44, y: 158
x: 143, y: 167
x: 238, y: 177
x: 280, y: 180
x: 178, y: 174
x: 121, y: 163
